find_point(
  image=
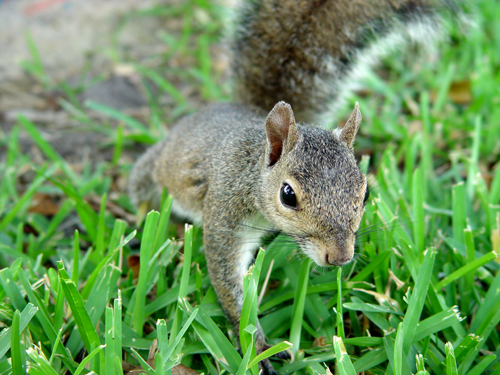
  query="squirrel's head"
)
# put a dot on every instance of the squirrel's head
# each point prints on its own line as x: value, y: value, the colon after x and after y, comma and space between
x: 313, y: 189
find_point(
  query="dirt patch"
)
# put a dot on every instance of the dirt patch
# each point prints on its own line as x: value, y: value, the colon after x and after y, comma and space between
x: 73, y: 39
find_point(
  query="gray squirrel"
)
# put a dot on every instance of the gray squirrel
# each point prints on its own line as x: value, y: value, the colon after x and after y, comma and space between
x: 240, y: 168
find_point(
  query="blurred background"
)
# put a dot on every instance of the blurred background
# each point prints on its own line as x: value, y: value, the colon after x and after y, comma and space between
x: 65, y: 63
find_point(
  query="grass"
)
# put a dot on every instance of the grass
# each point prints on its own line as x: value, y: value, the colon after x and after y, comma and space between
x: 422, y: 297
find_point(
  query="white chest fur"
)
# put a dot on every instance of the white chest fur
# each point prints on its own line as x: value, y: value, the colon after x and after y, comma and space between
x: 251, y: 232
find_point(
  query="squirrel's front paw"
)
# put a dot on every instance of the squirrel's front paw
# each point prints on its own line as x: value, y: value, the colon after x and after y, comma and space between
x: 266, y: 368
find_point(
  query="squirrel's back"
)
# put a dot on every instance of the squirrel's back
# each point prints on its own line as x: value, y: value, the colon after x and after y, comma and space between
x: 183, y: 164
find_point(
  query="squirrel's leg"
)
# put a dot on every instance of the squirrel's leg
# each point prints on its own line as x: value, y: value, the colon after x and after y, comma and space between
x: 228, y: 258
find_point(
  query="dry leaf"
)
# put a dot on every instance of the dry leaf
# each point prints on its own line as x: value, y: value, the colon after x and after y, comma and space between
x: 319, y: 342
x: 44, y: 204
x: 134, y: 264
x: 399, y: 283
x: 460, y: 92
x: 177, y: 370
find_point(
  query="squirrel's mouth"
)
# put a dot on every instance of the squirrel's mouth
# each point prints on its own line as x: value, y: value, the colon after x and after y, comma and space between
x: 329, y: 254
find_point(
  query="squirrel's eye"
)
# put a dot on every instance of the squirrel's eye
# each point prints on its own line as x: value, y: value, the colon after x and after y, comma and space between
x: 288, y: 196
x: 367, y: 195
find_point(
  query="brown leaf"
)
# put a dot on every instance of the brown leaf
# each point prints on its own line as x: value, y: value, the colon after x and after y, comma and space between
x: 177, y: 370
x: 112, y: 207
x: 134, y: 264
x: 460, y: 92
x: 319, y: 342
x: 183, y: 370
x: 44, y: 204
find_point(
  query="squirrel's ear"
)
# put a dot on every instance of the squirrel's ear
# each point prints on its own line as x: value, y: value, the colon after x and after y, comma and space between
x: 281, y: 131
x: 348, y: 132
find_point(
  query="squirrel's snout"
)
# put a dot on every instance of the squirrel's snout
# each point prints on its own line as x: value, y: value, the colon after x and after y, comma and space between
x: 331, y: 252
x: 333, y: 260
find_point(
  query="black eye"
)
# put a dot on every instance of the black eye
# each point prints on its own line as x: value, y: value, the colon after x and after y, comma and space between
x: 288, y: 196
x: 367, y: 195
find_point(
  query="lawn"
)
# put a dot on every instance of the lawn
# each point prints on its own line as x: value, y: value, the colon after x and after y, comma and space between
x: 85, y: 290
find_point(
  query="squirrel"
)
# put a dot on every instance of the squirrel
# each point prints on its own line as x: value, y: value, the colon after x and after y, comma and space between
x: 237, y: 167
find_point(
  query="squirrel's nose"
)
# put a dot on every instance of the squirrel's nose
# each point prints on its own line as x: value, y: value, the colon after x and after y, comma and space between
x: 333, y: 260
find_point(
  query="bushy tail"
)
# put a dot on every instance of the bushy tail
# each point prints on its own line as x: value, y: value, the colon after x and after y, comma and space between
x: 308, y: 53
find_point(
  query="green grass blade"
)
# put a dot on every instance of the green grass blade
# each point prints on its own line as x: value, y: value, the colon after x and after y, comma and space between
x: 39, y: 358
x: 459, y: 214
x: 465, y: 270
x: 43, y: 315
x: 92, y: 279
x: 22, y: 202
x: 490, y: 300
x: 77, y: 306
x: 340, y: 318
x: 15, y: 346
x: 86, y: 213
x: 147, y: 368
x: 145, y: 255
x: 275, y: 349
x: 398, y: 351
x: 417, y: 299
x: 212, y: 336
x: 186, y: 271
x: 298, y: 305
x: 250, y: 297
x: 474, y: 157
x: 161, y: 358
x: 495, y: 186
x: 242, y: 369
x: 451, y: 363
x: 35, y: 67
x: 87, y: 359
x: 480, y: 368
x: 370, y: 267
x: 11, y: 289
x: 369, y: 307
x: 120, y: 116
x: 162, y: 233
x: 444, y: 86
x: 5, y: 336
x: 47, y: 148
x: 418, y: 212
x: 468, y: 284
x: 344, y: 363
x: 109, y: 353
x: 175, y: 342
x: 118, y: 334
x: 162, y: 83
x: 437, y: 322
x: 101, y: 227
x: 56, y: 344
x: 364, y: 341
x: 75, y: 269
